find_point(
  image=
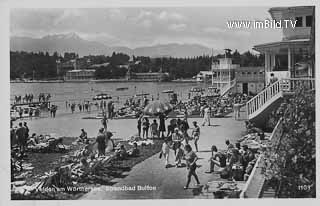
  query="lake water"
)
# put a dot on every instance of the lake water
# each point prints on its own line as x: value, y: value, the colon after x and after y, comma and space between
x: 67, y: 124
x: 77, y: 92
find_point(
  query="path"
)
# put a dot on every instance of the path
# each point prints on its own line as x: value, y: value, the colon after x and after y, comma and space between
x: 169, y: 182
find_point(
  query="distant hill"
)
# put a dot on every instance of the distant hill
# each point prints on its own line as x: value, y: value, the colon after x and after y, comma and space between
x: 73, y: 43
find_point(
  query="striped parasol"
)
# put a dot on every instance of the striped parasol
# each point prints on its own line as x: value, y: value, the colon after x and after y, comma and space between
x: 157, y: 107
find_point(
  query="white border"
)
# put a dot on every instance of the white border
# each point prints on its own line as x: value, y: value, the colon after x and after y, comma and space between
x: 5, y: 6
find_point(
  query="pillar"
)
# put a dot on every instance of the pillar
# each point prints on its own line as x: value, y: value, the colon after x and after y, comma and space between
x: 289, y: 61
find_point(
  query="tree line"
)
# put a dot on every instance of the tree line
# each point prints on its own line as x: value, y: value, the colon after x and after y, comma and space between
x: 42, y: 65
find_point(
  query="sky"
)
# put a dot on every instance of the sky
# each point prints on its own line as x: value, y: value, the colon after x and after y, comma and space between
x: 136, y: 27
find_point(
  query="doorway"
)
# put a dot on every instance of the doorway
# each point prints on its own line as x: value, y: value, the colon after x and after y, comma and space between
x: 245, y: 88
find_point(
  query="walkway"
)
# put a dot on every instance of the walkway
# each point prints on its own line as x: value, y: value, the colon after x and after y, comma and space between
x: 169, y: 182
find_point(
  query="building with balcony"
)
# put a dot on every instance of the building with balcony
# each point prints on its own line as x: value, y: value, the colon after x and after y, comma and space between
x: 221, y: 73
x: 79, y: 75
x: 291, y: 56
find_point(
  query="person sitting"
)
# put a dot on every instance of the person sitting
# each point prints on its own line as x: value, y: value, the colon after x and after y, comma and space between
x: 83, y: 136
x: 121, y: 152
x: 134, y: 152
x: 33, y: 140
x: 229, y: 145
x: 248, y: 170
x: 218, y: 159
x: 154, y: 128
x: 247, y: 156
x: 235, y: 166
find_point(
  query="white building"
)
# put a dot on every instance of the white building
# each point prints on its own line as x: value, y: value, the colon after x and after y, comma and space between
x: 285, y: 57
x: 79, y: 75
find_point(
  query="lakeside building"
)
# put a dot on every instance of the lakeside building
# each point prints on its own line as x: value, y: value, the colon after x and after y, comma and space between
x: 249, y: 80
x: 147, y: 76
x: 221, y: 73
x: 80, y: 75
x: 225, y: 76
x: 290, y: 57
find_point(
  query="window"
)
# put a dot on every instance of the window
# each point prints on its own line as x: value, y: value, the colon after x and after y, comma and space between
x: 249, y: 73
x: 308, y: 21
x: 299, y: 21
x: 243, y: 73
x: 254, y: 73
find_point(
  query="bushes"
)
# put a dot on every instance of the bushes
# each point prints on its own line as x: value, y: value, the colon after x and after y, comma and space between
x: 291, y: 164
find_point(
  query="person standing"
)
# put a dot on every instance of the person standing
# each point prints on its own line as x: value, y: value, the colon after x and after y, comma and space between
x: 139, y: 123
x: 101, y: 141
x: 104, y: 120
x: 145, y: 127
x: 191, y: 159
x: 21, y: 135
x: 177, y: 139
x: 162, y: 126
x: 273, y: 79
x: 165, y: 152
x: 196, y: 134
x: 206, y: 116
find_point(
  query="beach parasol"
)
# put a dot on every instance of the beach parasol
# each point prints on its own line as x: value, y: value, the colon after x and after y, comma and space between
x: 169, y: 91
x: 157, y: 107
x: 102, y: 96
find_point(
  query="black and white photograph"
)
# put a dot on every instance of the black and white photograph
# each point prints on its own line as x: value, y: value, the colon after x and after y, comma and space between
x: 162, y: 102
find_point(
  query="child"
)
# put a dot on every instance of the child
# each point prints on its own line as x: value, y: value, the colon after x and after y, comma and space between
x: 165, y: 152
x: 154, y: 128
x: 179, y: 155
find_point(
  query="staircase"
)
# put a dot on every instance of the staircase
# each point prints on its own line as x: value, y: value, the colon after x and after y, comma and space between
x: 226, y: 88
x: 260, y: 106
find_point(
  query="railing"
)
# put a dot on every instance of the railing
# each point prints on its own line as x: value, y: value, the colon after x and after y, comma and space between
x: 276, y: 90
x: 256, y: 180
x: 227, y: 87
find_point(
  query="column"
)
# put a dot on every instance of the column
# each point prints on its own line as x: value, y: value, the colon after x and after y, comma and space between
x: 289, y: 61
x: 273, y: 61
x: 266, y: 57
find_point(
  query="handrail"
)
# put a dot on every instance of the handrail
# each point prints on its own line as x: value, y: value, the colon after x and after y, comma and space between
x: 257, y: 178
x: 227, y: 87
x: 283, y: 85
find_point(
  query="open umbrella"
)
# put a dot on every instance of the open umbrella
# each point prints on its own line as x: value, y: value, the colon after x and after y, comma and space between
x: 157, y: 107
x: 102, y: 96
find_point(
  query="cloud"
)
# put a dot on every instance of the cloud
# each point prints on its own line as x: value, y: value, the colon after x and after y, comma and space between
x: 177, y: 27
x: 146, y: 23
x: 167, y: 16
x: 67, y: 15
x: 214, y: 30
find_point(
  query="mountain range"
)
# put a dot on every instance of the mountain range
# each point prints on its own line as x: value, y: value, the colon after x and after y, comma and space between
x: 71, y: 42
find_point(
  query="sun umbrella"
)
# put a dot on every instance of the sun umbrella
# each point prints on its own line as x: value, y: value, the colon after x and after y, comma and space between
x: 101, y: 96
x: 157, y: 107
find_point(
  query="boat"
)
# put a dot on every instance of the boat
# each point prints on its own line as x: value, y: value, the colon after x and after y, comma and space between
x: 122, y: 88
x: 102, y: 96
x: 168, y: 91
x: 197, y: 89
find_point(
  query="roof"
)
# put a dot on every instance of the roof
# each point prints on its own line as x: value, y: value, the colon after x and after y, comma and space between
x: 261, y: 47
x: 99, y: 65
x: 79, y: 70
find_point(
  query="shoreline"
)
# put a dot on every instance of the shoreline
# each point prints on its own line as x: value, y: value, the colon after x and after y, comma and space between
x: 103, y: 81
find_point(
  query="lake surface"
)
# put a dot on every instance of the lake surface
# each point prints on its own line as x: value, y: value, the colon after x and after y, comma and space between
x: 68, y: 124
x: 78, y: 92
